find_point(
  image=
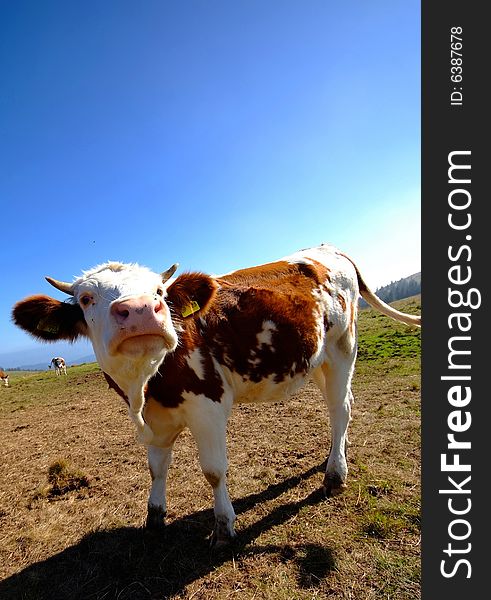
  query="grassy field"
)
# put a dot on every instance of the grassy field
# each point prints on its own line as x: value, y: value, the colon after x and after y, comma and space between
x: 74, y: 486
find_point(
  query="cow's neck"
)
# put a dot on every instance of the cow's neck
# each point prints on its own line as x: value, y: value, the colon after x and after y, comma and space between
x: 129, y: 378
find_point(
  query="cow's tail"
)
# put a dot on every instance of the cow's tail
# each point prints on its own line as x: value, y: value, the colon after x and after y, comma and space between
x: 375, y: 302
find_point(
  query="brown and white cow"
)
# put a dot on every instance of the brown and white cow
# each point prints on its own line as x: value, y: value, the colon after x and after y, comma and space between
x: 4, y: 377
x: 59, y: 365
x: 182, y: 351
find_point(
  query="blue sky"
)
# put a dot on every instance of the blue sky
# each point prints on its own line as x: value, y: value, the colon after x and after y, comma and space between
x: 214, y: 134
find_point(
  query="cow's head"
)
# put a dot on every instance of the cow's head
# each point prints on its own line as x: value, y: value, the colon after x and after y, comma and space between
x: 131, y: 315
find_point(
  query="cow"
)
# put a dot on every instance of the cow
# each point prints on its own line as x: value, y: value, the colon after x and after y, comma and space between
x: 4, y: 377
x: 182, y: 350
x: 59, y: 365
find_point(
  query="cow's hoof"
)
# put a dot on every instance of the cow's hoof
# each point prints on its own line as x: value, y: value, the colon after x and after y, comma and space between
x: 333, y: 485
x: 155, y: 518
x: 222, y: 535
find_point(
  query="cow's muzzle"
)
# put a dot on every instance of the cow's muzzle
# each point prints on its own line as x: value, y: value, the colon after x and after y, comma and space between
x: 141, y: 325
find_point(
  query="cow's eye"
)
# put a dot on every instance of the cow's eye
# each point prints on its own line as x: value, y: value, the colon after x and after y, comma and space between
x: 85, y: 300
x: 160, y: 292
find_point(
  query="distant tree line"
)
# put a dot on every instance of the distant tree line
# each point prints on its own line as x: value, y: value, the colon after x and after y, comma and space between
x: 397, y: 290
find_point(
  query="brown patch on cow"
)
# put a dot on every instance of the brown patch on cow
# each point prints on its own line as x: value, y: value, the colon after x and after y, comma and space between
x: 352, y: 318
x: 342, y: 302
x: 175, y: 376
x: 280, y: 293
x: 327, y: 289
x: 323, y: 272
x: 327, y: 323
x: 280, y: 274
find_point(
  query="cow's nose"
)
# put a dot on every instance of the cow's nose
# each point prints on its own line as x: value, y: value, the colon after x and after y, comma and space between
x: 120, y: 311
x: 132, y: 308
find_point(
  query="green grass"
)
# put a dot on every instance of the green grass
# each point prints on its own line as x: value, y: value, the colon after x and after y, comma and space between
x: 14, y: 375
x: 381, y: 338
x: 37, y: 388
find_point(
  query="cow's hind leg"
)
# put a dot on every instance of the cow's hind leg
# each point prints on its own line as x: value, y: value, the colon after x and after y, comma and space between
x: 334, y: 380
x: 159, y: 460
x: 208, y: 428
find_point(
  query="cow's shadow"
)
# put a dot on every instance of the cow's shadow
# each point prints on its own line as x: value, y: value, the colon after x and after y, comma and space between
x: 133, y: 563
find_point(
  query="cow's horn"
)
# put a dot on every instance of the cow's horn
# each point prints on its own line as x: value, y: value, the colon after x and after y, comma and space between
x: 168, y: 274
x: 67, y: 288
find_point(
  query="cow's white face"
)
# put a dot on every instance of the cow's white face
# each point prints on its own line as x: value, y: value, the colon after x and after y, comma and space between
x: 128, y: 320
x: 124, y: 310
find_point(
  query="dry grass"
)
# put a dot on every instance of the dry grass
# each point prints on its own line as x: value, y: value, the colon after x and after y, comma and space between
x: 86, y: 540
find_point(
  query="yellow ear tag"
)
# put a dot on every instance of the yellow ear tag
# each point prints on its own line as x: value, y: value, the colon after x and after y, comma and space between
x: 190, y: 309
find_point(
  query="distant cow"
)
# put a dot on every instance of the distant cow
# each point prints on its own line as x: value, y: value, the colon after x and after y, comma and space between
x: 59, y: 365
x: 4, y: 377
x: 182, y: 351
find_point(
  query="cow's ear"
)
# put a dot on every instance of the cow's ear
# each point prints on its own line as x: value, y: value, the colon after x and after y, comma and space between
x: 49, y: 319
x: 192, y: 294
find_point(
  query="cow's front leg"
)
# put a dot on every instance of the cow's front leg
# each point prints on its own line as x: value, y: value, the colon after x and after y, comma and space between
x: 209, y: 431
x: 159, y: 460
x: 223, y: 530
